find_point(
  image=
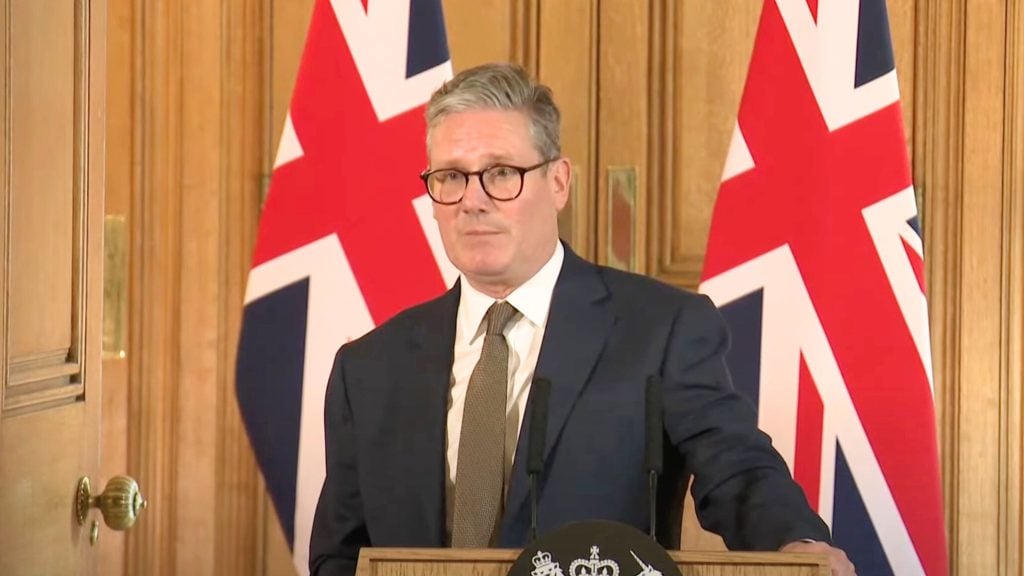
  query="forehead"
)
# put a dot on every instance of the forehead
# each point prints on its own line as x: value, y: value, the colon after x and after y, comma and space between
x: 480, y: 135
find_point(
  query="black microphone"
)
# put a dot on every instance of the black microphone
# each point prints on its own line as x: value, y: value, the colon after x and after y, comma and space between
x: 653, y: 442
x: 539, y: 392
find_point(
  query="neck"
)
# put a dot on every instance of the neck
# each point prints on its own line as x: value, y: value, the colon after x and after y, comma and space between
x: 500, y: 288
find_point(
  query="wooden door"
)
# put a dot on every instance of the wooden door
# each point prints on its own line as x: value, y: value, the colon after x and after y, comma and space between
x: 52, y: 71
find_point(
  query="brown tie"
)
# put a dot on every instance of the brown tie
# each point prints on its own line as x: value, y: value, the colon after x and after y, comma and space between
x: 480, y: 475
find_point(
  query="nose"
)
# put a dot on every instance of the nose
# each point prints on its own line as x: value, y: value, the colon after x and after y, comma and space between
x: 475, y: 199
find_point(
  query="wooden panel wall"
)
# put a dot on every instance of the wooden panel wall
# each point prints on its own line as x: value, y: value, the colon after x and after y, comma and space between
x: 649, y: 87
x: 190, y: 128
x: 968, y: 163
x: 569, y: 65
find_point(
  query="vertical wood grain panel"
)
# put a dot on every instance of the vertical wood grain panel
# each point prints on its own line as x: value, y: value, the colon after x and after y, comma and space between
x: 43, y: 180
x: 155, y: 302
x: 245, y: 97
x: 5, y: 192
x: 198, y: 286
x: 567, y: 62
x: 1011, y: 542
x: 981, y: 318
x: 903, y: 30
x: 480, y: 31
x: 525, y: 34
x: 711, y: 46
x: 46, y: 213
x: 967, y: 158
x: 938, y: 172
x: 623, y: 109
x: 195, y: 203
x: 289, y: 21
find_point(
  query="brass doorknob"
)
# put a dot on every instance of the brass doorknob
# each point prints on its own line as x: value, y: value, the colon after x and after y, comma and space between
x: 120, y: 503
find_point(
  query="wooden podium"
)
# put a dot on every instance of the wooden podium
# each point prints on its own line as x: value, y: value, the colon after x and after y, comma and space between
x: 491, y: 562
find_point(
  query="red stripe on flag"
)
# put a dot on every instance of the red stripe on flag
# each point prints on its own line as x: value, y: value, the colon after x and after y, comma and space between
x: 809, y: 424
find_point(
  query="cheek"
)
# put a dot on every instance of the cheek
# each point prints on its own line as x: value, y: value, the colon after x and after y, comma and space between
x: 443, y: 218
x: 536, y: 215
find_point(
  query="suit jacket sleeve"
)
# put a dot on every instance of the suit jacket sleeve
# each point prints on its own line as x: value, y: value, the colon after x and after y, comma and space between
x: 339, y: 528
x: 742, y: 488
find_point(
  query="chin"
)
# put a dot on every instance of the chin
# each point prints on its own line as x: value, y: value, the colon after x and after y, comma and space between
x: 481, y: 265
x: 484, y: 271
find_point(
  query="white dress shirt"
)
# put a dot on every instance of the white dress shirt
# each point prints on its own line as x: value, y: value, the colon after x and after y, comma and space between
x: 524, y: 334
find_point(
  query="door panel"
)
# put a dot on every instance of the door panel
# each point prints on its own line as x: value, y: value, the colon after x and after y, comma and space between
x: 51, y: 198
x: 42, y: 104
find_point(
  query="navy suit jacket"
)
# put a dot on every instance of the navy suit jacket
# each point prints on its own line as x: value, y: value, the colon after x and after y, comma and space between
x: 607, y: 331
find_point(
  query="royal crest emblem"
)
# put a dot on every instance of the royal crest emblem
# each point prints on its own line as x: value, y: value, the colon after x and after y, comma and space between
x: 544, y: 566
x: 595, y: 566
x: 611, y: 545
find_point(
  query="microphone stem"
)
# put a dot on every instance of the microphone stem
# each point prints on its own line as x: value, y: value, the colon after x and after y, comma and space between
x: 533, y: 507
x: 652, y: 483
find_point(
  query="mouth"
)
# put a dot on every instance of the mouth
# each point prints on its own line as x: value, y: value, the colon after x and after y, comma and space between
x: 480, y: 232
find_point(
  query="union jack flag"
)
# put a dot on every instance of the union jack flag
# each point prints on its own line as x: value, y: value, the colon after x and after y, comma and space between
x: 346, y: 238
x: 816, y: 260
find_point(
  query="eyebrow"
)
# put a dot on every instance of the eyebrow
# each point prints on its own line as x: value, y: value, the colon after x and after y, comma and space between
x: 489, y: 160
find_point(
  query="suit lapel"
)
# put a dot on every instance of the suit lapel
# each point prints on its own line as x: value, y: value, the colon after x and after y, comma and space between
x: 426, y: 375
x: 579, y: 323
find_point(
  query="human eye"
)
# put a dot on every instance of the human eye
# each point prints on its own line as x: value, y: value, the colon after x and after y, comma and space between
x: 501, y: 172
x: 446, y: 176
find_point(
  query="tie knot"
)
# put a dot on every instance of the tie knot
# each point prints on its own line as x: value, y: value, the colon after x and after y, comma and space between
x: 498, y: 316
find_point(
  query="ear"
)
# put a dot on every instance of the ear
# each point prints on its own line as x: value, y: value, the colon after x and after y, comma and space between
x: 561, y: 177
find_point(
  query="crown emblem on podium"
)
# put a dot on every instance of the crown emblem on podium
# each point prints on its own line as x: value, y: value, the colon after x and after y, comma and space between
x: 595, y: 566
x: 543, y: 566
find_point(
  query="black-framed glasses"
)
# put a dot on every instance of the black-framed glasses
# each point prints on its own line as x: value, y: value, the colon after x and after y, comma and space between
x: 501, y: 182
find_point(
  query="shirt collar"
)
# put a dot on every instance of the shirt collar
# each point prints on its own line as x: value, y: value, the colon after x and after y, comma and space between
x: 532, y: 299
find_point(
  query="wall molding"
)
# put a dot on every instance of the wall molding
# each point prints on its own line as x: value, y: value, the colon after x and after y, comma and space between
x: 568, y: 64
x: 662, y: 138
x: 156, y: 231
x: 201, y: 141
x: 245, y: 150
x: 525, y: 47
x: 5, y: 193
x: 1011, y: 540
x: 938, y: 171
x: 968, y: 163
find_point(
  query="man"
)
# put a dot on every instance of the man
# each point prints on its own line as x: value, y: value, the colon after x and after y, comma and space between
x: 424, y: 414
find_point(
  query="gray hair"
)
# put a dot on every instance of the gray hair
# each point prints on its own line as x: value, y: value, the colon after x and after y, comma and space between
x: 500, y: 86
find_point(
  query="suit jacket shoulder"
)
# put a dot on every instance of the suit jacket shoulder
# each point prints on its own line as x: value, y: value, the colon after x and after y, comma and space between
x: 651, y: 301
